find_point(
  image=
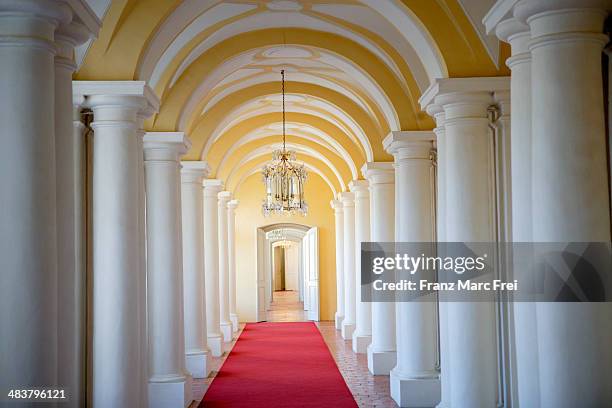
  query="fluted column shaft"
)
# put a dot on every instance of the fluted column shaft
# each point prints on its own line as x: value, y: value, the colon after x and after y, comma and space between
x: 415, y: 379
x: 197, y: 353
x: 381, y: 178
x: 231, y: 253
x: 225, y: 323
x: 169, y: 383
x: 339, y: 226
x: 212, y: 188
x: 348, y: 212
x: 363, y: 310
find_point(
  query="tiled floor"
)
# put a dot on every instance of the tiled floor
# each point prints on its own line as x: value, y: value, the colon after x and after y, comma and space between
x: 286, y: 307
x: 369, y: 391
x: 200, y: 385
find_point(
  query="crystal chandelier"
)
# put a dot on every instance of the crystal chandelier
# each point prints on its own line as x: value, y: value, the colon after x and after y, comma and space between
x: 284, y: 179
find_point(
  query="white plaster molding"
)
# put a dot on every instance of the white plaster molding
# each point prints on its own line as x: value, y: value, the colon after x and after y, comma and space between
x: 212, y: 184
x: 199, y: 169
x: 475, y: 11
x: 407, y: 138
x: 165, y: 145
x: 448, y: 86
x: 84, y: 14
x: 501, y: 10
x: 378, y: 172
x: 117, y: 88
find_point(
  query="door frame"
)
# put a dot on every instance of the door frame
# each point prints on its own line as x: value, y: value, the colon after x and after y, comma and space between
x: 265, y: 240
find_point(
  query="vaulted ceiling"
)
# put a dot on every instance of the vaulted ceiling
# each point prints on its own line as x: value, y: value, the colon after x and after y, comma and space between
x: 355, y: 71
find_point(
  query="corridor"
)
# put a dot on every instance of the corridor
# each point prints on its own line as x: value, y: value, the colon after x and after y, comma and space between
x: 163, y: 159
x: 369, y: 391
x: 286, y: 307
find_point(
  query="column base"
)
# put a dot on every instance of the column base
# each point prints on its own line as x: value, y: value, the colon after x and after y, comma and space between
x: 226, y: 331
x: 347, y: 331
x: 174, y: 392
x: 381, y: 362
x: 234, y: 320
x: 414, y: 392
x: 198, y: 363
x: 339, y: 318
x: 361, y: 343
x: 215, y: 344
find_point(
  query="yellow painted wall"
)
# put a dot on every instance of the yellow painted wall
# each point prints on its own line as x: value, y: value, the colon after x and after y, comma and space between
x: 249, y: 217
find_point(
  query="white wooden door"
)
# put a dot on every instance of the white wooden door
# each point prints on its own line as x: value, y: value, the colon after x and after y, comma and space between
x: 313, y: 273
x: 305, y: 268
x: 261, y: 275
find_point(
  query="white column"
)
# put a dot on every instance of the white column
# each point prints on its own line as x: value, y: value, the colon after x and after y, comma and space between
x: 469, y: 217
x: 415, y: 380
x: 348, y: 211
x: 169, y: 383
x: 381, y: 178
x: 225, y: 322
x: 570, y: 193
x: 70, y: 176
x: 362, y: 336
x: 444, y: 358
x: 212, y: 187
x: 117, y: 316
x: 525, y: 323
x: 197, y: 353
x: 339, y: 226
x: 142, y: 261
x: 28, y: 261
x: 231, y: 252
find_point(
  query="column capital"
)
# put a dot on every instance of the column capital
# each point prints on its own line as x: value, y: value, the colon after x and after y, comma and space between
x: 462, y: 89
x: 67, y: 38
x: 361, y: 188
x: 410, y: 144
x: 514, y: 32
x: 463, y: 98
x: 224, y: 198
x: 518, y: 35
x: 32, y: 23
x: 547, y: 17
x: 194, y: 171
x: 45, y: 9
x: 379, y: 173
x: 501, y: 10
x: 436, y: 112
x: 336, y: 205
x: 232, y: 204
x: 165, y: 146
x: 84, y: 15
x: 212, y: 187
x: 107, y: 96
x: 347, y: 198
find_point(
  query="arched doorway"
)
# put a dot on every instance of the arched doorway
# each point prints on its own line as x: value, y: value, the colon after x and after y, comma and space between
x: 305, y: 260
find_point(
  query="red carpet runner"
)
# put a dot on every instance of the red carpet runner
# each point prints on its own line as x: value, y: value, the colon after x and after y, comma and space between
x: 279, y: 365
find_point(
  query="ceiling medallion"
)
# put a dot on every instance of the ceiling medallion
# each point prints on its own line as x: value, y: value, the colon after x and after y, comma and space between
x: 284, y: 178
